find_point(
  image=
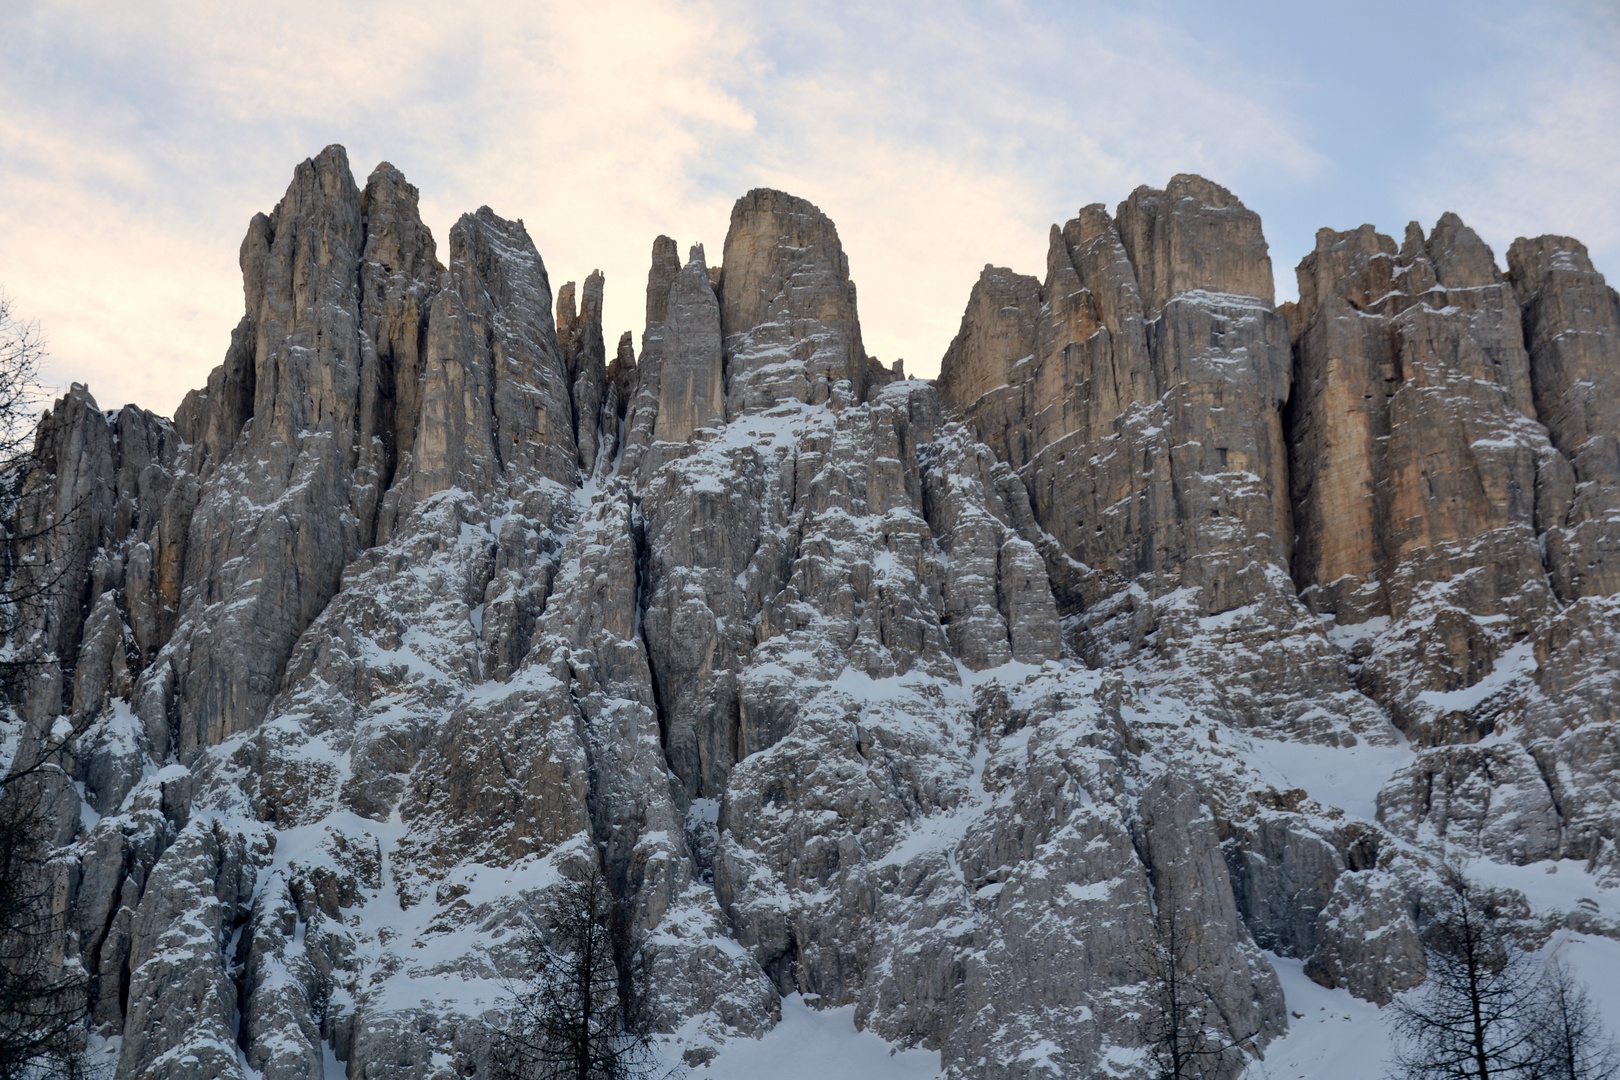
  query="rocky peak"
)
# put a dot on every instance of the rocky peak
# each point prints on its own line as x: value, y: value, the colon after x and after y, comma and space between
x: 301, y: 283
x: 396, y: 239
x: 1533, y: 263
x: 787, y: 305
x: 100, y: 534
x: 934, y: 700
x: 1193, y: 235
x: 1415, y: 455
x: 666, y: 263
x: 980, y: 372
x: 1150, y: 442
x: 1357, y: 266
x: 399, y: 276
x: 1461, y: 259
x: 495, y: 346
x: 691, y: 387
x: 1572, y: 331
x: 296, y: 490
x: 584, y: 357
x: 641, y: 404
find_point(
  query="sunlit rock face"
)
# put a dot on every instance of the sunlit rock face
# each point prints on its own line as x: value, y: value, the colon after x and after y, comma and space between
x: 1139, y: 394
x: 935, y: 699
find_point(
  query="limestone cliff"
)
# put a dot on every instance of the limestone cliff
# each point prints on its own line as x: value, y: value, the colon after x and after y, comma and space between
x: 931, y: 699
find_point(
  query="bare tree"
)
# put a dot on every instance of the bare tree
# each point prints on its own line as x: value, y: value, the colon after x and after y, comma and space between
x: 585, y: 1012
x: 43, y: 1000
x: 1469, y: 1021
x: 22, y: 348
x: 35, y: 562
x: 1567, y: 1040
x: 1179, y: 1029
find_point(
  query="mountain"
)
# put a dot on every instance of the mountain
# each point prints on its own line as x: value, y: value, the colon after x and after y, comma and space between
x: 926, y: 698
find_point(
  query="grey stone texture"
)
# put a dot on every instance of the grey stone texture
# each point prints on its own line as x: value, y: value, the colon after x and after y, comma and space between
x: 932, y: 699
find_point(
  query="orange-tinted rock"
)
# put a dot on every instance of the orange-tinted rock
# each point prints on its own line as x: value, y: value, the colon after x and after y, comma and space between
x: 1193, y: 236
x: 787, y: 305
x: 1416, y: 458
x: 1138, y: 392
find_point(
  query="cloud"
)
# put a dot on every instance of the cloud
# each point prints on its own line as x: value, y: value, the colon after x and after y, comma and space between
x: 136, y: 144
x: 137, y: 140
x: 943, y: 136
x: 1535, y: 145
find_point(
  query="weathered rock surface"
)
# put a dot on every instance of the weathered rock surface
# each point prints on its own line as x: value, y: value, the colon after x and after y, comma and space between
x: 1440, y: 523
x: 1571, y: 324
x: 940, y: 701
x: 691, y: 393
x: 1488, y: 800
x: 1145, y: 421
x: 1413, y: 361
x: 584, y: 357
x: 1194, y: 236
x: 787, y: 306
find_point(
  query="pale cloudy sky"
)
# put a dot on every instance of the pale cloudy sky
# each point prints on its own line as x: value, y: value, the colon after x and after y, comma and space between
x: 138, y: 138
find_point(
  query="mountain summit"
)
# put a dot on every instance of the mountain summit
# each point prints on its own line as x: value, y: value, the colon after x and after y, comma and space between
x: 937, y: 699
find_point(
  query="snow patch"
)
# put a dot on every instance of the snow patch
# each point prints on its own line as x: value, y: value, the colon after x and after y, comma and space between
x: 1348, y: 777
x: 1517, y: 661
x: 814, y: 1044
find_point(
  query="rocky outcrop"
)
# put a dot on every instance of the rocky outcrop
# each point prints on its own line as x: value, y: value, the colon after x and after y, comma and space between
x: 1194, y: 236
x: 691, y: 391
x: 1367, y: 939
x: 1440, y: 522
x: 997, y: 600
x: 1485, y: 800
x: 1417, y: 459
x: 787, y: 306
x: 1571, y: 322
x: 584, y: 361
x: 100, y: 538
x: 1139, y: 396
x: 182, y: 1000
x: 295, y: 494
x: 944, y: 701
x: 642, y: 394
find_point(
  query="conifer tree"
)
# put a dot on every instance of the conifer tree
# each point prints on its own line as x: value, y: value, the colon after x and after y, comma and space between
x: 584, y: 1012
x: 1470, y: 1019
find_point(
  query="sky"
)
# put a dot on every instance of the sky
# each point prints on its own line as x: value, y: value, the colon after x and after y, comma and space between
x: 138, y: 139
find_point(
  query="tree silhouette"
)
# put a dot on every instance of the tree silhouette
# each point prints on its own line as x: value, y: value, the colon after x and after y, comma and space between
x: 585, y: 1012
x: 1178, y: 1029
x: 1470, y: 1020
x: 1567, y: 1039
x: 43, y: 1000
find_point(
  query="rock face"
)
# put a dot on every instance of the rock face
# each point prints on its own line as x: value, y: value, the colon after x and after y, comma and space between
x: 944, y: 701
x: 1413, y: 361
x: 1139, y: 398
x: 691, y: 390
x: 1454, y: 538
x: 1571, y: 322
x: 1194, y: 236
x: 788, y: 307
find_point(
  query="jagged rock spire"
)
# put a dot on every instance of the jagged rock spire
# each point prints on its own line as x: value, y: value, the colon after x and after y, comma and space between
x: 937, y: 701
